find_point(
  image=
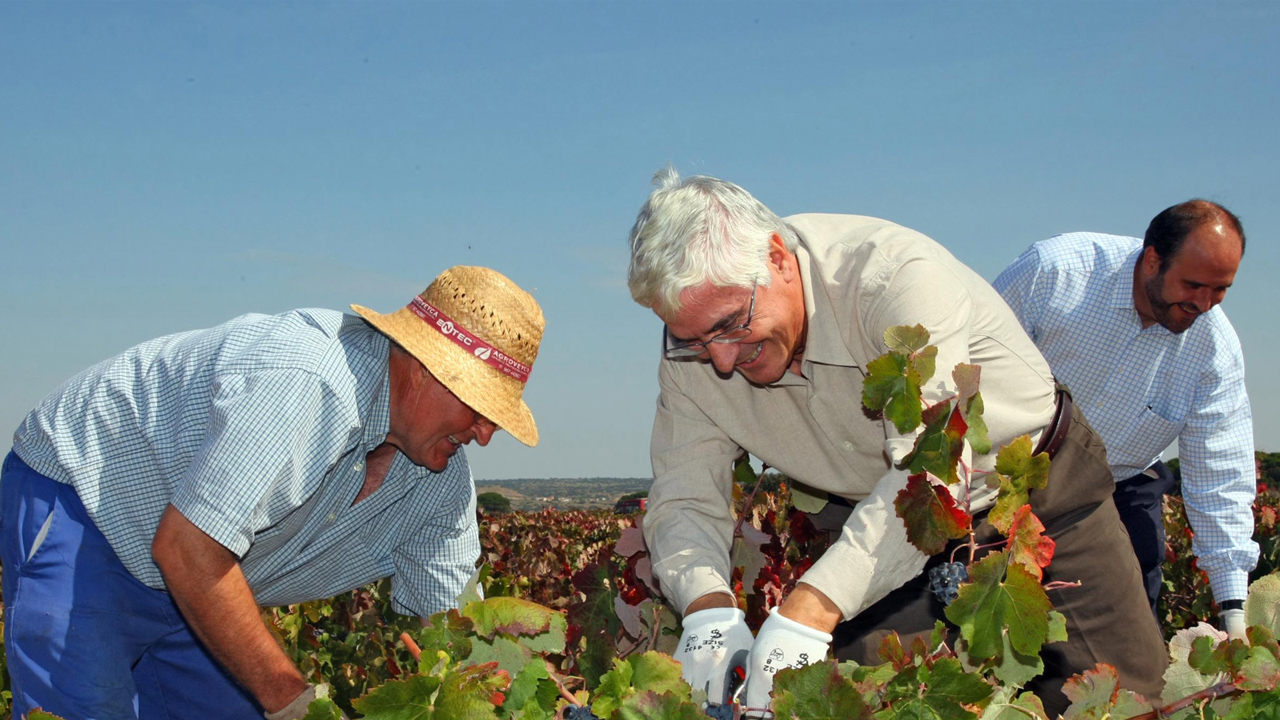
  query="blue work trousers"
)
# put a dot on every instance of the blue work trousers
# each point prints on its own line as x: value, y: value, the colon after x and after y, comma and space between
x: 84, y: 638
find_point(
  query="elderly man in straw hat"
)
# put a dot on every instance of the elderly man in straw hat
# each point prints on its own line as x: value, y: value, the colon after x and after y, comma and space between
x: 154, y: 501
x: 770, y: 324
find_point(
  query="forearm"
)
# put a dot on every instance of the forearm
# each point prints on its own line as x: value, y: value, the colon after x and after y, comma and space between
x: 210, y: 589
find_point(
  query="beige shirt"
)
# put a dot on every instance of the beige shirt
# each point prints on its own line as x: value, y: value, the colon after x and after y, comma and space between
x: 861, y: 275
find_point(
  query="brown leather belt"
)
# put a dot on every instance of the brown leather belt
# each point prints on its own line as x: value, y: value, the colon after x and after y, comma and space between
x: 1054, y: 435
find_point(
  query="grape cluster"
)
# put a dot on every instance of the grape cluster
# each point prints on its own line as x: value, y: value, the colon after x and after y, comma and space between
x: 579, y: 712
x: 719, y: 712
x: 945, y: 579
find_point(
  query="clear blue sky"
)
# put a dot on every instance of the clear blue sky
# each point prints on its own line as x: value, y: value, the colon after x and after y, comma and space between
x: 166, y: 166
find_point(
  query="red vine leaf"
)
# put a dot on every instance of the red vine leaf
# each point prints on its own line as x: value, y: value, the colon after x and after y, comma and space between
x: 930, y: 514
x: 1028, y: 544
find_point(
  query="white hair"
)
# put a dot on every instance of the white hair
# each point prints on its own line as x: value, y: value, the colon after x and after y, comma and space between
x: 699, y: 230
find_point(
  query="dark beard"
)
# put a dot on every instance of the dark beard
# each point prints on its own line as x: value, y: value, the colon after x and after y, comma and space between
x: 1160, y: 308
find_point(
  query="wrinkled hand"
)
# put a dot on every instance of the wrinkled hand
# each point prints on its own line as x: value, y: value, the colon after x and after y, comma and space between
x: 781, y: 643
x: 714, y: 642
x: 1233, y: 624
x: 297, y: 709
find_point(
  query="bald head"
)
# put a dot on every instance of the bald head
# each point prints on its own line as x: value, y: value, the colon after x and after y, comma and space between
x: 1207, y: 221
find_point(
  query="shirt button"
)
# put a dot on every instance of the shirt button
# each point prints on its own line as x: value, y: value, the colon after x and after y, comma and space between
x: 333, y: 516
x: 848, y: 446
x: 358, y: 466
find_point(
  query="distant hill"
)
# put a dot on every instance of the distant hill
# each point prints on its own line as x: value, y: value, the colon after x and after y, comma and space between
x: 563, y: 493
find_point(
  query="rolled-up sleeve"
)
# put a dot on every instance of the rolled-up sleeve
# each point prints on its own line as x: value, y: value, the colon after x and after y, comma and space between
x: 689, y: 525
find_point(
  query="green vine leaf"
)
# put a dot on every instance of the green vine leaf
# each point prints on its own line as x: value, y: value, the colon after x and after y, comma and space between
x: 532, y: 686
x: 408, y: 699
x: 1262, y: 606
x: 892, y: 386
x: 977, y: 436
x: 817, y: 692
x: 1256, y: 706
x: 1001, y: 597
x: 510, y: 616
x: 650, y: 705
x: 930, y: 514
x: 942, y: 691
x: 472, y: 692
x: 446, y: 632
x: 651, y: 671
x: 1096, y: 694
x: 320, y: 709
x: 1007, y: 704
x: 1019, y: 473
x: 906, y: 339
x: 1260, y: 671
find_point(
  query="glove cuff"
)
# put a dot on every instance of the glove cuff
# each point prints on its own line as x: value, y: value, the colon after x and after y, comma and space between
x: 712, y: 616
x: 778, y: 621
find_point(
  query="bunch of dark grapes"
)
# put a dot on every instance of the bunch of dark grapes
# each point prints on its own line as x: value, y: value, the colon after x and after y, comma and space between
x: 719, y: 712
x: 579, y: 712
x: 945, y: 579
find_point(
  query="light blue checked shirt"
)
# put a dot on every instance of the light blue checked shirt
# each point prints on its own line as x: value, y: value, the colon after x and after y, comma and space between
x: 1142, y: 388
x: 257, y: 431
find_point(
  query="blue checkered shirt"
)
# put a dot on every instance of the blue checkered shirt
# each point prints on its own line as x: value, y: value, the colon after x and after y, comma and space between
x: 257, y: 431
x: 1142, y: 388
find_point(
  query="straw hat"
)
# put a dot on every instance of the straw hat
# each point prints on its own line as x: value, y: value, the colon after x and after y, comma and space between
x: 478, y: 334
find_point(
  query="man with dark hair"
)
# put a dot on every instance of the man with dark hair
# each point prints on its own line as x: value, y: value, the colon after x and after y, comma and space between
x: 1133, y: 330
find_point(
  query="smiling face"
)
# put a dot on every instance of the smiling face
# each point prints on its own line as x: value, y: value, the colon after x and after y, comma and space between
x: 428, y: 422
x: 776, y: 341
x: 1195, y: 280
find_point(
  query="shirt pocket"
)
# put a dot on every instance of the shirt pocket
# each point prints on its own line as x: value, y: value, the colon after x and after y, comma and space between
x: 1146, y: 439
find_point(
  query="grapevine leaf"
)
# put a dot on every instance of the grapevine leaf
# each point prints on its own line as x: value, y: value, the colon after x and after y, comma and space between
x: 891, y: 650
x: 743, y: 473
x: 408, y: 699
x: 629, y: 615
x: 1019, y: 474
x: 1180, y: 679
x: 1001, y: 597
x: 1096, y: 693
x: 1259, y: 672
x: 631, y: 542
x: 1007, y: 705
x: 1027, y: 543
x: 509, y: 655
x: 469, y: 693
x: 1015, y: 669
x: 1256, y: 706
x: 807, y: 499
x: 471, y: 591
x: 924, y: 363
x: 819, y: 691
x: 650, y: 705
x: 509, y: 615
x: 967, y: 378
x: 930, y: 514
x: 893, y: 388
x: 906, y: 339
x: 551, y: 641
x: 322, y: 709
x: 1262, y: 606
x: 937, y: 448
x: 524, y: 688
x: 448, y: 632
x: 615, y: 686
x: 977, y: 434
x: 941, y: 691
x: 658, y: 672
x: 1057, y: 627
x: 38, y: 714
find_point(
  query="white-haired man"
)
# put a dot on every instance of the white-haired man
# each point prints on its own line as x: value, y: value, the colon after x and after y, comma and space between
x: 769, y: 325
x: 1133, y: 328
x: 154, y: 501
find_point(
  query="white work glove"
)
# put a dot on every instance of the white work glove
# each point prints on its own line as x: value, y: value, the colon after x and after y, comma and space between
x: 714, y: 642
x: 297, y: 709
x: 1233, y: 624
x: 781, y: 643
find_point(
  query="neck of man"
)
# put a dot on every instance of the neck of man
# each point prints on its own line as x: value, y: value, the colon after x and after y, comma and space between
x: 1141, y: 303
x: 376, y: 466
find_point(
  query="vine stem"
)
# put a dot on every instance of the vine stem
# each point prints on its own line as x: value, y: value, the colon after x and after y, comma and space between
x: 564, y: 692
x: 1212, y: 692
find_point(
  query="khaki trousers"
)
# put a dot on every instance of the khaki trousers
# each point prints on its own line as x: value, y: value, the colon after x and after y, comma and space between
x: 1108, y: 617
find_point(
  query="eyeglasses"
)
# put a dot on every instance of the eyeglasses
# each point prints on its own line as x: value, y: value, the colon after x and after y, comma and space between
x: 694, y: 348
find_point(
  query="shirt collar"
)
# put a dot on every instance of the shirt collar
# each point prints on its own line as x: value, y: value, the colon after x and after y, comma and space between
x: 824, y: 342
x: 373, y: 389
x: 1122, y: 289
